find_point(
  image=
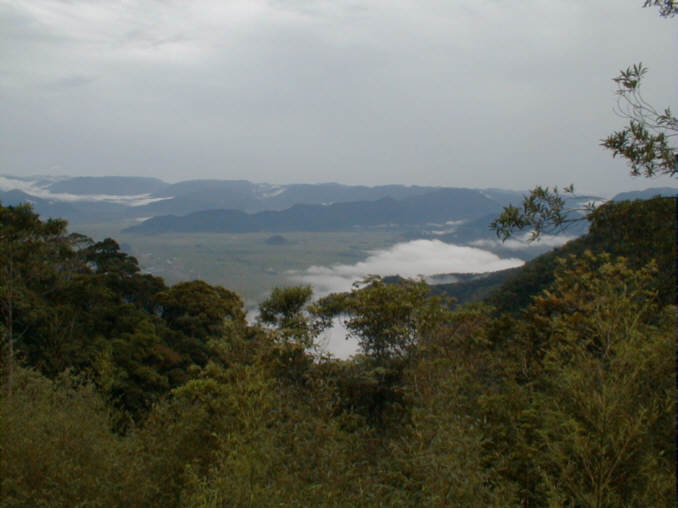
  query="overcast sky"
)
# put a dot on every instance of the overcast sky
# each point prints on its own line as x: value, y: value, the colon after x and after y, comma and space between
x: 468, y: 93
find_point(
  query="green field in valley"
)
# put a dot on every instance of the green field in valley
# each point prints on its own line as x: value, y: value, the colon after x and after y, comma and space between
x: 245, y: 263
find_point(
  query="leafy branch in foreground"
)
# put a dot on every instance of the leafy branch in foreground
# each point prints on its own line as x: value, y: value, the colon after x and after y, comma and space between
x: 646, y: 141
x: 667, y: 8
x: 544, y: 211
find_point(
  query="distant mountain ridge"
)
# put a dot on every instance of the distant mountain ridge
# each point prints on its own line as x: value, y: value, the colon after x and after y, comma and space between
x: 91, y: 199
x: 113, y: 198
x: 646, y: 194
x: 111, y: 185
x: 437, y: 206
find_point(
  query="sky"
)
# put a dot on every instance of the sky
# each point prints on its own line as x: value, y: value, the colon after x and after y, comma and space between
x: 463, y: 93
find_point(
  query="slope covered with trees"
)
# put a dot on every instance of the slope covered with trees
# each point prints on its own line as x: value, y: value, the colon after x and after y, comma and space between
x: 641, y: 231
x: 120, y: 391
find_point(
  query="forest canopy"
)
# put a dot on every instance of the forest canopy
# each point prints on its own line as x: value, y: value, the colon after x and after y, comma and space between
x: 557, y: 390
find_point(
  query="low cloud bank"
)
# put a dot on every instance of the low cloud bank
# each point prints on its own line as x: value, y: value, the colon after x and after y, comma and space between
x: 521, y: 242
x: 31, y: 188
x: 336, y: 341
x: 410, y: 259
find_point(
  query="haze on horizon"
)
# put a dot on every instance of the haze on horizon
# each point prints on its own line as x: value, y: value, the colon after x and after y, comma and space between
x: 464, y: 94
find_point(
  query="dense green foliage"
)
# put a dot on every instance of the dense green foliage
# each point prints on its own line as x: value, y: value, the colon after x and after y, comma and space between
x: 638, y: 230
x: 474, y: 287
x: 120, y: 391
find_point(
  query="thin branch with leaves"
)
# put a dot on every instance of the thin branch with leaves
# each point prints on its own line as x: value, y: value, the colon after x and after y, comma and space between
x: 646, y: 142
x: 667, y: 8
x: 543, y: 211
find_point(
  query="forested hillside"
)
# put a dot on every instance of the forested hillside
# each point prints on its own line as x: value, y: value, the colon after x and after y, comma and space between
x: 558, y: 390
x: 640, y: 231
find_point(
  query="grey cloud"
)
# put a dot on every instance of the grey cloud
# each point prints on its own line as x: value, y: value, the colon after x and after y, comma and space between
x: 145, y: 39
x: 73, y: 81
x: 425, y: 92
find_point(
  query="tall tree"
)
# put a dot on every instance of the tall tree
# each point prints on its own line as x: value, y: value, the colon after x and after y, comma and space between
x: 286, y: 309
x: 605, y: 399
x: 388, y: 319
x: 35, y: 256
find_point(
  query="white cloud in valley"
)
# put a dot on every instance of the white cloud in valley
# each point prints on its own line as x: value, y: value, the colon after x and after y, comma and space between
x: 522, y: 242
x: 410, y: 259
x: 32, y: 188
x: 336, y: 341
